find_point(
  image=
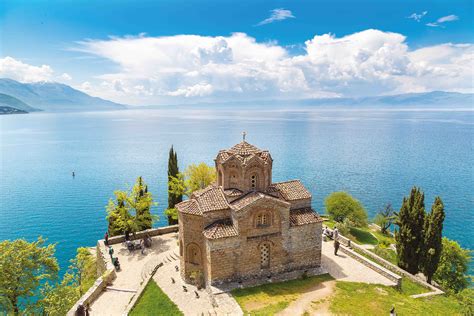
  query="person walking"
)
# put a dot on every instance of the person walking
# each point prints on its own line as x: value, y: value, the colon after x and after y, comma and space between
x: 335, y: 234
x: 106, y: 238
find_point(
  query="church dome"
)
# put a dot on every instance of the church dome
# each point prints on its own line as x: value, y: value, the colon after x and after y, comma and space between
x: 243, y: 151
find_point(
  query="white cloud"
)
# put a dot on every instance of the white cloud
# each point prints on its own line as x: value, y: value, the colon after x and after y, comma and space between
x: 417, y: 16
x: 193, y: 91
x: 65, y: 77
x: 187, y: 68
x: 154, y: 70
x: 17, y: 70
x: 444, y: 19
x: 448, y: 18
x: 277, y: 15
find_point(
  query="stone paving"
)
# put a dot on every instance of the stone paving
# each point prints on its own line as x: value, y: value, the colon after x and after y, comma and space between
x: 187, y: 301
x: 344, y: 268
x: 134, y: 269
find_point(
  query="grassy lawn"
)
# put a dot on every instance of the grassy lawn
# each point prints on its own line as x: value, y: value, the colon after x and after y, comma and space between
x: 386, y: 253
x: 154, y: 301
x: 271, y: 298
x: 411, y: 288
x: 363, y: 236
x: 370, y: 299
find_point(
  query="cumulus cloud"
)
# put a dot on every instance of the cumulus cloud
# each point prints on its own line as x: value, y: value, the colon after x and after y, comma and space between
x: 20, y: 71
x: 277, y: 15
x: 443, y: 19
x: 237, y: 67
x: 65, y: 77
x: 417, y: 16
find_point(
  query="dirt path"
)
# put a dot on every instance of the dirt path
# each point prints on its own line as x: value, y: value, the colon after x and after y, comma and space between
x: 319, y: 293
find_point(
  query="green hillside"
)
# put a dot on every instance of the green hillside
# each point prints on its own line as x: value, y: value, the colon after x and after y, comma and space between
x: 12, y: 102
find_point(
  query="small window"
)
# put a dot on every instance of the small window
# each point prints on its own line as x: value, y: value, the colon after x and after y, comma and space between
x: 263, y: 220
x: 264, y: 256
x: 253, y: 182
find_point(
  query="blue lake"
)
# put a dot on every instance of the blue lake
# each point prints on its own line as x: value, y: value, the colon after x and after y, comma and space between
x: 376, y: 155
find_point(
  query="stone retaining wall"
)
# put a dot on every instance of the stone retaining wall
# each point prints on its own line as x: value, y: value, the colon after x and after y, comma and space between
x: 396, y: 269
x: 139, y: 235
x: 374, y: 266
x: 390, y: 266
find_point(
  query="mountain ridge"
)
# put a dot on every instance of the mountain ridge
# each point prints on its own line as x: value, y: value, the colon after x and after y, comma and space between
x: 55, y: 97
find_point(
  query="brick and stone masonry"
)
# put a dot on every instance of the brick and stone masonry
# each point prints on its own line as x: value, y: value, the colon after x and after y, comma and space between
x: 245, y: 226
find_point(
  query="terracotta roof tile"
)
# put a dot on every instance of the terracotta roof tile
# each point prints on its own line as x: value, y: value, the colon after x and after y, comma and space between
x: 189, y: 207
x: 243, y: 151
x: 233, y: 192
x: 250, y: 198
x: 304, y: 216
x: 246, y: 199
x: 211, y: 198
x: 290, y: 190
x: 220, y: 229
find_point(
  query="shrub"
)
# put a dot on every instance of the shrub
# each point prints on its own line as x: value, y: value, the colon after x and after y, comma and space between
x: 341, y: 206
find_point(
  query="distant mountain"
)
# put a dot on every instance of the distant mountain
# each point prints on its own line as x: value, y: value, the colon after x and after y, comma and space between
x: 55, y: 97
x: 427, y: 99
x: 435, y: 99
x: 12, y: 102
x: 9, y: 110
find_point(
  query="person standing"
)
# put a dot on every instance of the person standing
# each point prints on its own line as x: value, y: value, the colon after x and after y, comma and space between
x: 106, y: 238
x: 336, y: 240
x: 111, y: 252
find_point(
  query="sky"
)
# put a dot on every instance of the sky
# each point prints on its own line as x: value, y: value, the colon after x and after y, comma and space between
x: 166, y: 52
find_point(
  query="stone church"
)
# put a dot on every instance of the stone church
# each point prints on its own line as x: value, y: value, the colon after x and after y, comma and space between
x: 245, y: 226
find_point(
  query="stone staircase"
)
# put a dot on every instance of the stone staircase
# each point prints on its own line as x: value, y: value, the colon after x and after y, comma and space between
x: 153, y: 263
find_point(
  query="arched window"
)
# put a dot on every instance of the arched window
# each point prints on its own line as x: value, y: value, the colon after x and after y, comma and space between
x: 264, y: 255
x: 233, y: 180
x: 194, y: 254
x: 263, y: 220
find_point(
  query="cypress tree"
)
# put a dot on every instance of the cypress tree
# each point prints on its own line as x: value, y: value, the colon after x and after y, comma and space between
x: 173, y: 171
x: 409, y: 237
x: 433, y: 238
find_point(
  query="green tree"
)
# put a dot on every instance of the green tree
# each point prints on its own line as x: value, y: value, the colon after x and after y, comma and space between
x: 23, y: 267
x: 385, y: 218
x: 341, y: 206
x: 130, y: 211
x: 199, y: 176
x: 466, y: 299
x: 118, y: 215
x: 452, y: 273
x: 83, y: 267
x: 409, y: 237
x: 195, y: 177
x: 140, y: 202
x: 173, y: 199
x: 433, y: 229
x: 58, y: 299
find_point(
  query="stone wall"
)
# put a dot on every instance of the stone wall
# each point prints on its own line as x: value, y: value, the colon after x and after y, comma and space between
x: 296, y: 204
x: 306, y: 243
x: 189, y: 238
x: 390, y: 266
x: 374, y: 266
x: 141, y: 234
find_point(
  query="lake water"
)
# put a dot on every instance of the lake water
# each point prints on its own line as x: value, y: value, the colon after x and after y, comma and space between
x: 375, y: 155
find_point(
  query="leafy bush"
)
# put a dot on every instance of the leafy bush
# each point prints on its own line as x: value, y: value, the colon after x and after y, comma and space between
x: 341, y: 206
